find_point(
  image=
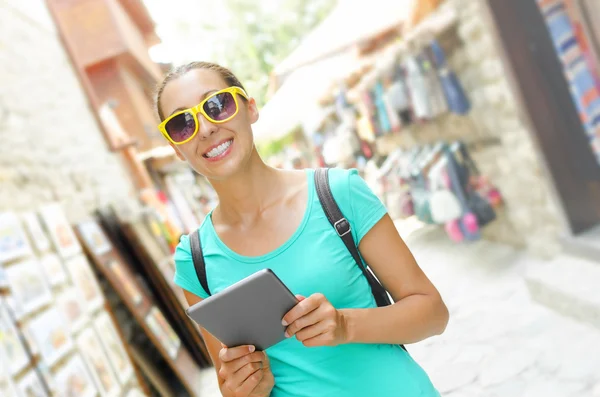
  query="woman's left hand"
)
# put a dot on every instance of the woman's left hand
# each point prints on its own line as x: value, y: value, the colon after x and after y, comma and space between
x: 315, y: 322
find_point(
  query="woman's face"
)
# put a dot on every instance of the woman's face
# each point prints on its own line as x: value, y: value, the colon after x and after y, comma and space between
x: 189, y: 90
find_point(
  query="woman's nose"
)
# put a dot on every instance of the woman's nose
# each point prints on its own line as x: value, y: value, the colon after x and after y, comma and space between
x: 205, y: 127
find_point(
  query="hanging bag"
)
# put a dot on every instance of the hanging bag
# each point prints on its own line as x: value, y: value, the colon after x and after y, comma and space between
x: 444, y: 205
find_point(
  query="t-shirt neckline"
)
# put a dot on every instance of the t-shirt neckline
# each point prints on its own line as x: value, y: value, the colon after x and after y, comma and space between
x: 261, y: 258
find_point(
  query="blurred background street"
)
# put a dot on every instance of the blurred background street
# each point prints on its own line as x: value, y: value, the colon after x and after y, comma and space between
x: 476, y: 122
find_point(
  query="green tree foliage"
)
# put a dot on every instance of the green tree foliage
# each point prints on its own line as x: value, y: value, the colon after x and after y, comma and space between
x: 259, y: 35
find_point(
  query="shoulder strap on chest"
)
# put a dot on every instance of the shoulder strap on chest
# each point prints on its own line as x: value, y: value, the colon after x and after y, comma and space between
x: 198, y: 259
x: 342, y: 228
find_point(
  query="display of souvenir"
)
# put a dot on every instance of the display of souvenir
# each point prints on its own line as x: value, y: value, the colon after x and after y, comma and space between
x: 114, y: 347
x: 94, y: 237
x: 91, y: 349
x: 72, y: 309
x: 60, y: 230
x: 84, y: 279
x: 31, y: 386
x: 28, y: 286
x: 53, y: 269
x: 39, y: 238
x: 13, y: 241
x: 163, y: 332
x: 126, y: 281
x: 73, y: 379
x: 50, y: 332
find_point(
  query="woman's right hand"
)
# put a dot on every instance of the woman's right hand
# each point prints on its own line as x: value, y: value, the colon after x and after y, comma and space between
x: 245, y: 372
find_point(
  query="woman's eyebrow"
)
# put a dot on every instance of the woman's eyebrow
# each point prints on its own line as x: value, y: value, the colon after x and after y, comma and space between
x: 207, y: 93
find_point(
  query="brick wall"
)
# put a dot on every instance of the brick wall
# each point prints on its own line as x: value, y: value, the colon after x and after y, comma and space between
x: 51, y: 147
x: 530, y: 218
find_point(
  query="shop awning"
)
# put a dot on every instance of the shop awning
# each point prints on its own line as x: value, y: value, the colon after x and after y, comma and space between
x: 296, y: 102
x: 351, y: 22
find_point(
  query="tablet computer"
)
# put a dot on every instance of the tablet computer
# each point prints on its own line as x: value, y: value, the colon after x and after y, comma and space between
x: 248, y: 312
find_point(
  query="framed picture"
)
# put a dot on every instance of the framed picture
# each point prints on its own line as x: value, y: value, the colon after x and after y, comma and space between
x: 7, y: 388
x: 31, y: 386
x: 39, y: 238
x: 53, y: 269
x: 51, y: 335
x: 73, y: 379
x: 72, y: 309
x: 114, y: 348
x: 13, y: 241
x: 85, y: 280
x: 28, y: 286
x: 95, y: 238
x: 97, y: 363
x: 162, y: 330
x: 126, y: 281
x: 60, y: 230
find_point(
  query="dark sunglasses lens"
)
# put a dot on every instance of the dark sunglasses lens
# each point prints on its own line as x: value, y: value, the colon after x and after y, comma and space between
x: 181, y: 127
x: 220, y: 106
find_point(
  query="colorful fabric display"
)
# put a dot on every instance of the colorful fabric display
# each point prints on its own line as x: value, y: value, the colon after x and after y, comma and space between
x: 579, y: 75
x: 384, y: 121
x: 455, y: 95
x: 437, y: 98
x: 417, y: 86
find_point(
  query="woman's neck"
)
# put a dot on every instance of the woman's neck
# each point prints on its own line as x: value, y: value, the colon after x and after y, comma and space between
x: 247, y: 193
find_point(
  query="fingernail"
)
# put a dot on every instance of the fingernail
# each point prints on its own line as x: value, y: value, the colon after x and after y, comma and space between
x: 285, y: 323
x: 286, y: 334
x: 251, y: 348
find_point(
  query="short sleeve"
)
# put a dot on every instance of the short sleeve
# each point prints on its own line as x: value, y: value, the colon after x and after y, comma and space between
x: 356, y: 200
x: 185, y: 273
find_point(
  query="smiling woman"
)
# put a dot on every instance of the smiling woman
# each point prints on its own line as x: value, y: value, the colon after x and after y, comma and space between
x: 339, y: 342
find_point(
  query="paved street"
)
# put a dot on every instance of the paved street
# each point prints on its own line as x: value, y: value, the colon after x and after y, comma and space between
x: 498, y: 343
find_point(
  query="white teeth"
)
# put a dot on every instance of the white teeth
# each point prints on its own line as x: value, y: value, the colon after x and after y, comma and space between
x: 219, y: 149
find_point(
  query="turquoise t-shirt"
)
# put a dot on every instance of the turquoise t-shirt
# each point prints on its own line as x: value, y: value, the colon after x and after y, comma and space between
x: 313, y: 260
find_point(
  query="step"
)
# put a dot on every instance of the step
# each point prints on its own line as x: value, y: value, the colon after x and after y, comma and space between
x: 585, y: 245
x: 569, y: 285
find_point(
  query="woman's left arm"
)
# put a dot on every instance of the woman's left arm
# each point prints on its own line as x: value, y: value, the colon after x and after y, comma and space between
x: 419, y: 311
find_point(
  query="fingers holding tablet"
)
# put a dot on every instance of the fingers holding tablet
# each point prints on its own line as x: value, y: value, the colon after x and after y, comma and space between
x: 246, y: 371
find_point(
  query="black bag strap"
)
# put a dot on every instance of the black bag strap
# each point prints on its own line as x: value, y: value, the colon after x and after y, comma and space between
x: 198, y: 259
x: 342, y: 228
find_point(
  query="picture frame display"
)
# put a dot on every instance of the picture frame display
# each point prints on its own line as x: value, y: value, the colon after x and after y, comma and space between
x: 113, y: 346
x: 95, y: 238
x: 72, y: 309
x: 74, y: 380
x: 39, y: 238
x: 97, y: 362
x: 13, y: 240
x: 31, y: 386
x: 7, y: 387
x: 28, y: 286
x: 51, y: 335
x: 60, y: 231
x: 53, y: 269
x: 85, y: 280
x: 162, y: 330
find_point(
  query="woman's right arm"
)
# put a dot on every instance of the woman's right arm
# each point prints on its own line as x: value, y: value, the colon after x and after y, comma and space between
x: 241, y: 371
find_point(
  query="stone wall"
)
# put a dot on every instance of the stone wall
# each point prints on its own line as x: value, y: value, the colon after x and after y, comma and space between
x: 51, y: 147
x: 530, y: 218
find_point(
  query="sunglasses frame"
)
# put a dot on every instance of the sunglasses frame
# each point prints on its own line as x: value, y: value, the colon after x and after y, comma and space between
x: 199, y: 109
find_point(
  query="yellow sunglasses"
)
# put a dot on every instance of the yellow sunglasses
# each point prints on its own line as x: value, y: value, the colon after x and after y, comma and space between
x: 217, y: 108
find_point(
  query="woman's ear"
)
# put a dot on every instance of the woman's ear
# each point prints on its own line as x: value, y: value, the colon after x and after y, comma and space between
x: 252, y: 111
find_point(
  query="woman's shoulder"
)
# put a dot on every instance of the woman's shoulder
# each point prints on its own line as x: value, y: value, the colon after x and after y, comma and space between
x: 183, y: 251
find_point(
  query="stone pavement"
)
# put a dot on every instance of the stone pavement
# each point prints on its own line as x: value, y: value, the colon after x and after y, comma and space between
x: 498, y: 342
